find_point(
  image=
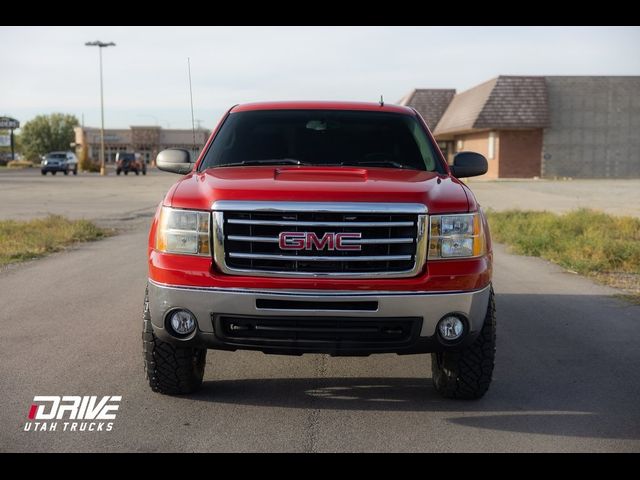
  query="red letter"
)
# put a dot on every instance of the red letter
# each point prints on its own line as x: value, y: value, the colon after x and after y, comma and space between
x: 291, y: 240
x: 342, y: 246
x: 327, y: 241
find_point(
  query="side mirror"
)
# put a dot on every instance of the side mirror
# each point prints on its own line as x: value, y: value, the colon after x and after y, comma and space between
x: 469, y: 164
x: 174, y: 160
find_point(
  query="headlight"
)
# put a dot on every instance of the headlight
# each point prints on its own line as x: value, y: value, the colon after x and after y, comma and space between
x: 456, y: 236
x: 183, y: 231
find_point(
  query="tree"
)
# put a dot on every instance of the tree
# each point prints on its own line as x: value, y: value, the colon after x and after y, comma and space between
x: 47, y: 133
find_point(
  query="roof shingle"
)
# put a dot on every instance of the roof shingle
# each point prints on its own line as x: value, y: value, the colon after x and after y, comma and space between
x: 502, y: 102
x: 431, y: 103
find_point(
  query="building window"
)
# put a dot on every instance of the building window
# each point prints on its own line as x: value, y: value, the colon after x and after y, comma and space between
x: 459, y: 145
x: 492, y: 145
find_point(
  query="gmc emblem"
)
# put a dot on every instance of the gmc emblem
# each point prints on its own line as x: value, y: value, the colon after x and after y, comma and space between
x: 309, y: 241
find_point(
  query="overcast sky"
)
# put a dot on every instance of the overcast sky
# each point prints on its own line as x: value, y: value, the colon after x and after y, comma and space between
x: 48, y: 69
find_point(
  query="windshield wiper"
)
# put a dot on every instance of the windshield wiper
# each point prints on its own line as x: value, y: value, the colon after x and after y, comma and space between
x: 267, y: 161
x: 390, y: 163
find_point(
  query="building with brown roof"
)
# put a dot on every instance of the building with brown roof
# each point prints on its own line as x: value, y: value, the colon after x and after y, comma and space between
x: 529, y: 126
x: 430, y: 102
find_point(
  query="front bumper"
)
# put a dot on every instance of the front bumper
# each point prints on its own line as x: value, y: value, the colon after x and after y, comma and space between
x: 424, y: 309
x: 54, y: 168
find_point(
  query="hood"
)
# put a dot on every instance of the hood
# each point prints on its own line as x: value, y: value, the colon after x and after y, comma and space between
x: 440, y: 193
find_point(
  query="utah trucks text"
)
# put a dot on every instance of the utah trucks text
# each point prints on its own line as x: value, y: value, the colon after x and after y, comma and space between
x: 72, y: 413
x: 320, y: 227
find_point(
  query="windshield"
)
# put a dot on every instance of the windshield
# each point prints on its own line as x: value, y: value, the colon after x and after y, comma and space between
x: 322, y: 137
x: 56, y: 156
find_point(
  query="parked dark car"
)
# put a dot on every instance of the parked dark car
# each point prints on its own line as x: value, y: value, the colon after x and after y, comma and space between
x: 127, y: 162
x: 55, y: 162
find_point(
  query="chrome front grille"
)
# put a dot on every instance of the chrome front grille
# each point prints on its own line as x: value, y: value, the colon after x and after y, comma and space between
x: 247, y: 239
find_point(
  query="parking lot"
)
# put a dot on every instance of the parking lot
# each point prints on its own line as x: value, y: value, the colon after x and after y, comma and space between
x: 617, y: 197
x: 27, y: 194
x: 567, y: 375
x: 112, y: 199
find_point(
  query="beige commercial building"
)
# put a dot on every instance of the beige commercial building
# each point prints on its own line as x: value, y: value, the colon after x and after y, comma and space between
x: 145, y: 140
x: 540, y: 126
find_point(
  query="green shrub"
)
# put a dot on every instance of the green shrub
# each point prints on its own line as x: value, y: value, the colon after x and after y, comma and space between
x: 91, y: 167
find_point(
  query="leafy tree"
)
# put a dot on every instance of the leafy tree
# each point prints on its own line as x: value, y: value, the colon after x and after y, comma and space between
x: 47, y: 133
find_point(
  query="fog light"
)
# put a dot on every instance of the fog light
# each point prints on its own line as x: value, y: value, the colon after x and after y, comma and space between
x: 182, y: 322
x: 451, y: 328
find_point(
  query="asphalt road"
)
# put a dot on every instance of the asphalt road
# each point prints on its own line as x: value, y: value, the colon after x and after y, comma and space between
x: 567, y: 376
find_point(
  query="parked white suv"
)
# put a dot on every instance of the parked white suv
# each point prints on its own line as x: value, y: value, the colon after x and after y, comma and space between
x: 59, y: 162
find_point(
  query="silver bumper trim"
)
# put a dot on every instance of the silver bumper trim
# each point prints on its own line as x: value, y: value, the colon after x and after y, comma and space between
x: 431, y: 306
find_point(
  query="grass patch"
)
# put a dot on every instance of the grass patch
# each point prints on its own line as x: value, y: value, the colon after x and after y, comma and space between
x: 602, y: 246
x: 631, y: 298
x: 34, y: 238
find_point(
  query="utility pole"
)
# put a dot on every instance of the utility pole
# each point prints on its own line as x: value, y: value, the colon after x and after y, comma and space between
x: 101, y: 45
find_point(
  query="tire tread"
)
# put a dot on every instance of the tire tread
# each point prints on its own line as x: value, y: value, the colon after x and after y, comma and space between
x: 170, y: 369
x: 467, y: 373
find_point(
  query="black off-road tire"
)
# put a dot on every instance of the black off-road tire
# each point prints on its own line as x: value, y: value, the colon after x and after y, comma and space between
x: 466, y: 373
x: 170, y: 369
x: 75, y: 171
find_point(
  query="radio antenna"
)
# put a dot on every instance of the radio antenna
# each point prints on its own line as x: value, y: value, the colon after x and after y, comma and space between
x: 193, y: 122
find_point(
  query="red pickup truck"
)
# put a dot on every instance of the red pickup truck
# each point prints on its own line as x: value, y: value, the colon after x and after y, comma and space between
x: 320, y: 227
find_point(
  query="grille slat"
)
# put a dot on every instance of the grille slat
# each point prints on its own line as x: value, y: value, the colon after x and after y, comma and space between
x: 309, y: 258
x: 323, y: 333
x: 363, y: 241
x: 248, y: 242
x: 319, y: 224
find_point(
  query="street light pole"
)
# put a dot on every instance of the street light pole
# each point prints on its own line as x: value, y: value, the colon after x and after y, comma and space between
x: 101, y: 45
x: 103, y: 170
